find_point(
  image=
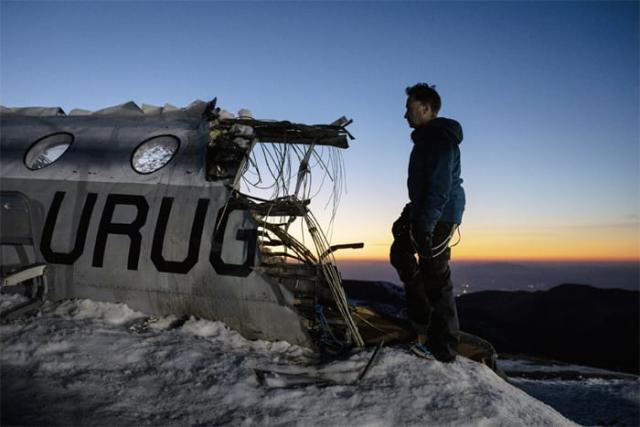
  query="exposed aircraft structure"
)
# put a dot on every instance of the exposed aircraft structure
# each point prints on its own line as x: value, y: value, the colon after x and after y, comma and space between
x: 144, y: 206
x: 186, y: 211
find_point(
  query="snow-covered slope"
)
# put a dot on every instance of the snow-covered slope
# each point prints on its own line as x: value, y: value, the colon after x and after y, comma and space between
x: 587, y: 395
x: 87, y: 363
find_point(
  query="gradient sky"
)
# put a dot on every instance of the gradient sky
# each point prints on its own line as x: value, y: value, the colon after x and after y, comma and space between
x: 547, y: 94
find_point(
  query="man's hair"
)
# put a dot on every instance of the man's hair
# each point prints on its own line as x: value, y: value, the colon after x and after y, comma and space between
x: 426, y: 94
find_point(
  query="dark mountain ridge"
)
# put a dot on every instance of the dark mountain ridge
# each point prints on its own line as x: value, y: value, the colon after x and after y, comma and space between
x: 570, y: 323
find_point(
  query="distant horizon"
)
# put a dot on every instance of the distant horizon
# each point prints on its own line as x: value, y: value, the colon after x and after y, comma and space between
x: 510, y: 260
x: 513, y: 275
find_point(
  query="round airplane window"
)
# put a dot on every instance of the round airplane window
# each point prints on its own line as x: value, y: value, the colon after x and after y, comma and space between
x: 47, y: 150
x: 154, y: 153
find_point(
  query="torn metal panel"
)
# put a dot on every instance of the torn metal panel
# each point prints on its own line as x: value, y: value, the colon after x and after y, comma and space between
x: 179, y: 236
x: 231, y: 146
x: 294, y: 133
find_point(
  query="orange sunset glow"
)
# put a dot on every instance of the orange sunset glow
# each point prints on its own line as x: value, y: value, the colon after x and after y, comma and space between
x: 544, y: 244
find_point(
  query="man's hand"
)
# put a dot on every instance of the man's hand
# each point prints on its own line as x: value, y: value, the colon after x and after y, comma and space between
x: 422, y: 242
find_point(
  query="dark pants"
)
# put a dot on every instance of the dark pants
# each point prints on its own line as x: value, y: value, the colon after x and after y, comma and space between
x: 430, y: 302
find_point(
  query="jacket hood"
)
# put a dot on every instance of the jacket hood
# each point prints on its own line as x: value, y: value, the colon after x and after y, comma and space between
x: 440, y: 127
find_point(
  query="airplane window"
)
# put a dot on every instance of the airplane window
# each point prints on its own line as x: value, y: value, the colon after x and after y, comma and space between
x: 47, y: 150
x: 154, y: 153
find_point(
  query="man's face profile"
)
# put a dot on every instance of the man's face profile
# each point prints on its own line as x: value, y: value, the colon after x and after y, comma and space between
x: 418, y: 113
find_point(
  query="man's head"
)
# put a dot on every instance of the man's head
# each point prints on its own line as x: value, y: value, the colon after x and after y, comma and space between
x: 423, y: 104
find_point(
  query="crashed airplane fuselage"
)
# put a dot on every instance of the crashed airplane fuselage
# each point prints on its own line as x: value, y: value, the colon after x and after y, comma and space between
x: 145, y: 207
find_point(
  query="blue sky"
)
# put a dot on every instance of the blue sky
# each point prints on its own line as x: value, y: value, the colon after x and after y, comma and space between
x: 547, y: 93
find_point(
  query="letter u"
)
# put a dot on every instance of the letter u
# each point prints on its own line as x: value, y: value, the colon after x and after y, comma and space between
x: 182, y: 267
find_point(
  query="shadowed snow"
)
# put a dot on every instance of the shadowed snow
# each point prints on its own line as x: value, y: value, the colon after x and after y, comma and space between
x: 79, y: 363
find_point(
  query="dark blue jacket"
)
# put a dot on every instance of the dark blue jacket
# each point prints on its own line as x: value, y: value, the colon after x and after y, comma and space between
x: 435, y: 186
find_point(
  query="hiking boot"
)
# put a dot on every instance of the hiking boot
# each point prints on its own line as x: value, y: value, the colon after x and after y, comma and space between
x: 421, y: 350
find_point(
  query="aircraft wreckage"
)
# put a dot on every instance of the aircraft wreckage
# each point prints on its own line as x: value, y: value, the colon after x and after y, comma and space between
x: 156, y: 207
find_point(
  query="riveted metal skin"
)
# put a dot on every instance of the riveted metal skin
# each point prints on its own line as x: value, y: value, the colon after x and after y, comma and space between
x: 111, y: 234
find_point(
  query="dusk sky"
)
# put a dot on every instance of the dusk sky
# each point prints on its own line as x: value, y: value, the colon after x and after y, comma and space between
x: 547, y: 94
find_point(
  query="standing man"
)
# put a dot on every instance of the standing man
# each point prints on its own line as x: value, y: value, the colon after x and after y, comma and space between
x: 427, y: 224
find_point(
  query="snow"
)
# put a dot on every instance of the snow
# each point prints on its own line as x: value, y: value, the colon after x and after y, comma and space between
x: 154, y: 154
x: 49, y: 155
x: 587, y: 395
x: 83, y: 362
x: 520, y: 367
x: 241, y: 130
x: 112, y: 314
x: 10, y: 300
x: 594, y: 401
x: 224, y: 114
x: 245, y: 113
